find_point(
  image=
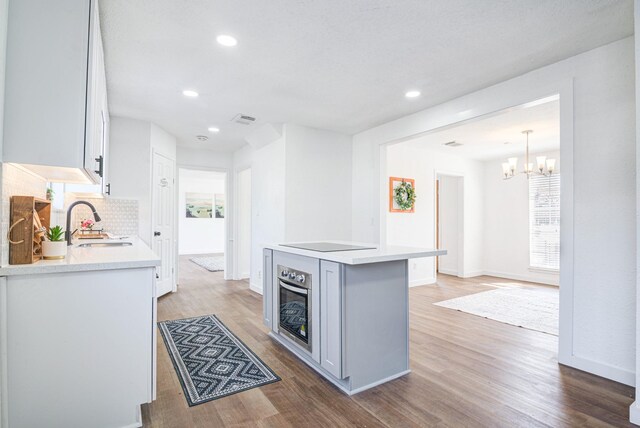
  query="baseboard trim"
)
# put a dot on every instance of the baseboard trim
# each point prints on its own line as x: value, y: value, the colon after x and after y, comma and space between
x: 379, y: 382
x: 421, y: 281
x: 634, y: 413
x: 448, y: 271
x: 606, y: 371
x: 527, y: 278
x: 473, y: 273
x: 255, y: 288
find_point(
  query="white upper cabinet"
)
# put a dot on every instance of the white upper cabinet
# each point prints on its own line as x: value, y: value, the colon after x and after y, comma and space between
x: 56, y: 115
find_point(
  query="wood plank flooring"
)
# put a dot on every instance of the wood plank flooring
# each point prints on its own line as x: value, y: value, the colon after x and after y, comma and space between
x: 467, y: 371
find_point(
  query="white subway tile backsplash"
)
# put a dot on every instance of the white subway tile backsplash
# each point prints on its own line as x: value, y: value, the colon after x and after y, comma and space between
x: 119, y: 216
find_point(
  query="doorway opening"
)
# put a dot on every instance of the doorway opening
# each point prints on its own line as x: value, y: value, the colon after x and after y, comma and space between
x: 488, y: 192
x: 202, y: 218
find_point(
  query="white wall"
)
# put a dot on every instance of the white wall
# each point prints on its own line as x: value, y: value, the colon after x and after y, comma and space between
x: 411, y: 160
x: 200, y: 235
x: 300, y: 189
x: 267, y: 204
x: 130, y: 167
x: 131, y: 143
x: 209, y: 159
x: 597, y: 114
x: 451, y: 219
x: 162, y: 142
x: 506, y: 225
x: 318, y: 171
x: 243, y: 239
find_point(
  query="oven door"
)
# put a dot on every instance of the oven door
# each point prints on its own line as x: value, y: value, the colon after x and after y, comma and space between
x: 295, y: 313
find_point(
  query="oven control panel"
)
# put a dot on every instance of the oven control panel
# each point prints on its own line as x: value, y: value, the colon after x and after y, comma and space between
x: 293, y: 276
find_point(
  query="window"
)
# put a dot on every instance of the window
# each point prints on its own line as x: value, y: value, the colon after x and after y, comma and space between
x: 544, y: 222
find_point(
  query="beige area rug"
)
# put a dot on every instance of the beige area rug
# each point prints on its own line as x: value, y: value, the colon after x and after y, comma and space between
x: 531, y: 308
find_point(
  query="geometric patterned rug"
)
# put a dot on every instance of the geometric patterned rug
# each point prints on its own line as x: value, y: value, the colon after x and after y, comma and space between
x: 210, y: 263
x: 212, y: 362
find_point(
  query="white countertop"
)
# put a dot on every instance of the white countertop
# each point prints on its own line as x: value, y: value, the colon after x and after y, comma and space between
x: 381, y: 253
x: 80, y: 259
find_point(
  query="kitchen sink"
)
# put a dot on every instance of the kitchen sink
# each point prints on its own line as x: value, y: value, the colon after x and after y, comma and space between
x: 105, y: 244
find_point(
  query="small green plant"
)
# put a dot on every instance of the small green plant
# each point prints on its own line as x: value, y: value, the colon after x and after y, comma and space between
x: 55, y: 234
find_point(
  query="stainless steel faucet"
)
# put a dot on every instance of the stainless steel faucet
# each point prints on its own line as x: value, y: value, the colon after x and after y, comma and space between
x: 67, y: 232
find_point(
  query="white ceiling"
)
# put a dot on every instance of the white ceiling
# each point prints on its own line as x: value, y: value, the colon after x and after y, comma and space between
x: 333, y: 64
x: 484, y: 138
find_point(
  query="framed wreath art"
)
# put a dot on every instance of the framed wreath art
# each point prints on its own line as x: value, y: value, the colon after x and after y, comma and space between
x: 402, y: 195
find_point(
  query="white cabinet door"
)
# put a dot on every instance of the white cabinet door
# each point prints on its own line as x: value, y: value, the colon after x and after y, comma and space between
x: 331, y: 317
x: 267, y: 288
x: 94, y: 152
x: 55, y: 89
x: 163, y: 203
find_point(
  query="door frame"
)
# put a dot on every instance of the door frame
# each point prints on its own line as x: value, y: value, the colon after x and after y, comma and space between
x: 154, y: 151
x: 460, y: 176
x: 476, y: 105
x: 228, y: 216
x: 236, y: 229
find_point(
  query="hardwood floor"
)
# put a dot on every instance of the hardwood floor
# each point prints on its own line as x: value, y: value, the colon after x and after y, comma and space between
x: 466, y: 371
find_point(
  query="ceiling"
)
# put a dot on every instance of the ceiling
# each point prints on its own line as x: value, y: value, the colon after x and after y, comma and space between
x: 332, y: 64
x: 484, y: 138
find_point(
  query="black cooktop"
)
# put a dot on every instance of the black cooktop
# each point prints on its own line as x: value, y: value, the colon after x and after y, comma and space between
x: 327, y: 247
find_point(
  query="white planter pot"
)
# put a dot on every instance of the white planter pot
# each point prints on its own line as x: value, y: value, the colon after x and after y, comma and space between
x: 54, y: 250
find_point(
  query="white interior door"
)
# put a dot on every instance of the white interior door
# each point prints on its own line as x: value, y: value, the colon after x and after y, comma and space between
x: 163, y: 240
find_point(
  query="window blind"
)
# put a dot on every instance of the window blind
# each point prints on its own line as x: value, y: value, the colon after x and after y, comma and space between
x: 544, y: 222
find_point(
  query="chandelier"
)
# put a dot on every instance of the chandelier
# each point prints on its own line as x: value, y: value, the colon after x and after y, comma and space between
x: 544, y: 166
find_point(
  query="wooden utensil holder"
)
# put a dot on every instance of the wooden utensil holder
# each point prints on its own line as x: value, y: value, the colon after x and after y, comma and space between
x: 29, y: 219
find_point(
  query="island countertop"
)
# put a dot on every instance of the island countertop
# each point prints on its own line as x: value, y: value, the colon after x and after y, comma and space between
x: 80, y: 259
x: 380, y: 253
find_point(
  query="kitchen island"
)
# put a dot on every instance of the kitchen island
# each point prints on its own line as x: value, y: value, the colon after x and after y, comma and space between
x: 342, y: 308
x: 77, y: 337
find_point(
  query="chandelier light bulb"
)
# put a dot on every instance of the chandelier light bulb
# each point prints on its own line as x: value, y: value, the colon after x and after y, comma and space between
x: 506, y: 169
x: 551, y: 165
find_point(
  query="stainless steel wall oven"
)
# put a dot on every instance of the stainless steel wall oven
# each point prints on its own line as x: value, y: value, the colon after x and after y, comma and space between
x: 294, y: 306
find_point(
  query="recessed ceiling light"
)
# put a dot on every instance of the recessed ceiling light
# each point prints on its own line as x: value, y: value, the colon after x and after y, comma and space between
x: 189, y: 93
x: 214, y: 129
x: 202, y: 138
x: 412, y: 94
x: 226, y: 40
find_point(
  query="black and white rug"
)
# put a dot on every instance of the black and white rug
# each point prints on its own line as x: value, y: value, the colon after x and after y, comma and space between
x: 212, y: 362
x: 210, y: 263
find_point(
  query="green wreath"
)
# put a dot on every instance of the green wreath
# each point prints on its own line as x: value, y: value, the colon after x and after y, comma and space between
x: 404, y: 195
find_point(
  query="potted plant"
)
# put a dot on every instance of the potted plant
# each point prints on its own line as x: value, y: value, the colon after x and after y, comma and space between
x: 54, y: 247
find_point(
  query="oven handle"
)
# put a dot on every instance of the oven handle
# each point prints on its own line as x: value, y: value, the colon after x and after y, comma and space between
x: 293, y: 289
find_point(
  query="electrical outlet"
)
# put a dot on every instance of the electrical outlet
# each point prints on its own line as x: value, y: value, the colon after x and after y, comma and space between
x: 414, y: 266
x: 260, y: 274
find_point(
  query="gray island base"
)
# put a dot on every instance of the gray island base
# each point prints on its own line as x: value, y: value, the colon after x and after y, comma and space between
x: 345, y: 314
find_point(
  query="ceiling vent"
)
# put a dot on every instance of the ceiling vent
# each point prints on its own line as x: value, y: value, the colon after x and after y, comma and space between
x: 452, y: 144
x: 243, y: 119
x: 202, y: 138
